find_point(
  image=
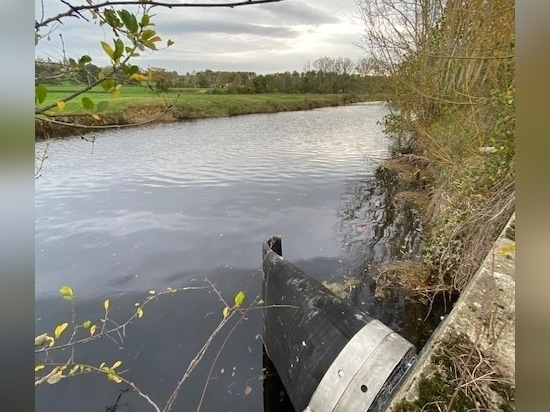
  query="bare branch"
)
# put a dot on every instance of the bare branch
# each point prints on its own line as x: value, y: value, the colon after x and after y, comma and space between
x: 74, y: 11
x: 117, y: 328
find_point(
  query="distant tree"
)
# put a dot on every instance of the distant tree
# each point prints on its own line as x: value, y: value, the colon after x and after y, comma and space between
x: 133, y: 32
x: 160, y: 79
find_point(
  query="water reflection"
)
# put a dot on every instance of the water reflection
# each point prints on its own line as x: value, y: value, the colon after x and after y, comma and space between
x: 374, y: 228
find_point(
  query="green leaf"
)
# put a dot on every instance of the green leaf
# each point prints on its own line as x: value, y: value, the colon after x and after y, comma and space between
x: 144, y: 20
x: 73, y: 63
x: 87, y: 103
x: 150, y: 45
x: 147, y: 34
x: 107, y: 84
x: 108, y: 50
x: 84, y: 59
x: 239, y: 298
x: 102, y: 106
x: 112, y: 19
x: 119, y: 49
x: 38, y: 367
x: 40, y: 93
x: 132, y: 70
x: 86, y: 324
x: 129, y: 20
x: 169, y: 43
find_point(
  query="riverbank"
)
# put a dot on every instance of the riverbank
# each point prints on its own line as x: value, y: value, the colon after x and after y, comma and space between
x: 187, y: 107
x: 469, y: 362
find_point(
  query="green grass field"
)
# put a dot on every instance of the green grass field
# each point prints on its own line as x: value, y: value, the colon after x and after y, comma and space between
x: 192, y: 102
x: 129, y: 96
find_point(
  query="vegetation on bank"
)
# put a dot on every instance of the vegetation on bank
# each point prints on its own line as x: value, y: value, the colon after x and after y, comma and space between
x: 452, y: 66
x: 453, y: 123
x: 138, y: 105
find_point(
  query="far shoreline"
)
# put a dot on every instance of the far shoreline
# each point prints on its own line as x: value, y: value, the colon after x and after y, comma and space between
x: 207, y: 106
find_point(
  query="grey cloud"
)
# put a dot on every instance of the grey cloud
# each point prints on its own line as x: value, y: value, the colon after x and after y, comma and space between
x: 225, y: 27
x: 299, y: 12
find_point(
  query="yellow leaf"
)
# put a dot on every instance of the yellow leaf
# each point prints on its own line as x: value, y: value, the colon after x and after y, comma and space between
x: 108, y: 49
x: 239, y: 298
x: 92, y: 330
x: 152, y: 292
x: 52, y: 341
x: 41, y: 339
x: 116, y: 364
x: 66, y: 291
x: 106, y: 304
x: 114, y: 377
x: 95, y: 116
x: 38, y: 367
x: 115, y: 93
x: 225, y: 312
x: 60, y: 105
x: 74, y: 369
x: 171, y: 290
x: 138, y: 77
x: 56, y: 377
x: 59, y: 329
x: 247, y: 390
x: 507, y: 250
x: 139, y: 312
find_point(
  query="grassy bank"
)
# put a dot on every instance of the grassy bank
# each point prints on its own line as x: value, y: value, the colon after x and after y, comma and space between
x: 136, y: 105
x: 454, y: 129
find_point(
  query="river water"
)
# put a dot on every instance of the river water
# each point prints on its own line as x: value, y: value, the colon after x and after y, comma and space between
x: 171, y: 205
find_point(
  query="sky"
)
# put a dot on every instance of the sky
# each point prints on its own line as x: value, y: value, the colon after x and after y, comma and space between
x: 265, y: 38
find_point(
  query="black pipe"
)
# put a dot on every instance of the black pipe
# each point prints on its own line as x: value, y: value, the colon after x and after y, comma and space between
x: 322, y: 347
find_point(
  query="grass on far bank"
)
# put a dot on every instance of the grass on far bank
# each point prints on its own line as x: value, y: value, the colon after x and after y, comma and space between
x: 194, y: 102
x: 137, y: 105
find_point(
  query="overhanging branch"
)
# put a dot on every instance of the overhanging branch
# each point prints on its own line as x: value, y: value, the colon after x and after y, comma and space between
x: 74, y: 11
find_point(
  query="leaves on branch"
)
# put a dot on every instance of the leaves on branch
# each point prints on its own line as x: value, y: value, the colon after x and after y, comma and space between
x: 56, y: 377
x: 40, y: 93
x: 239, y: 299
x: 59, y: 329
x: 66, y: 292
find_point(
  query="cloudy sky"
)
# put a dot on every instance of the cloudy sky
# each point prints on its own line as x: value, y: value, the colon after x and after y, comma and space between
x: 263, y: 38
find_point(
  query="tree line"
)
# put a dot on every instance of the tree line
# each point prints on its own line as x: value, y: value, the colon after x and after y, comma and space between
x: 323, y: 75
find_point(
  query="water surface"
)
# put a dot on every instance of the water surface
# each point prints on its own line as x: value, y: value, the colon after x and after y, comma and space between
x: 172, y: 204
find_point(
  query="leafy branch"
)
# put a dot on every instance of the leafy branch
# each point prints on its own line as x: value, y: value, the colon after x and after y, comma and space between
x: 52, y: 372
x: 74, y: 11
